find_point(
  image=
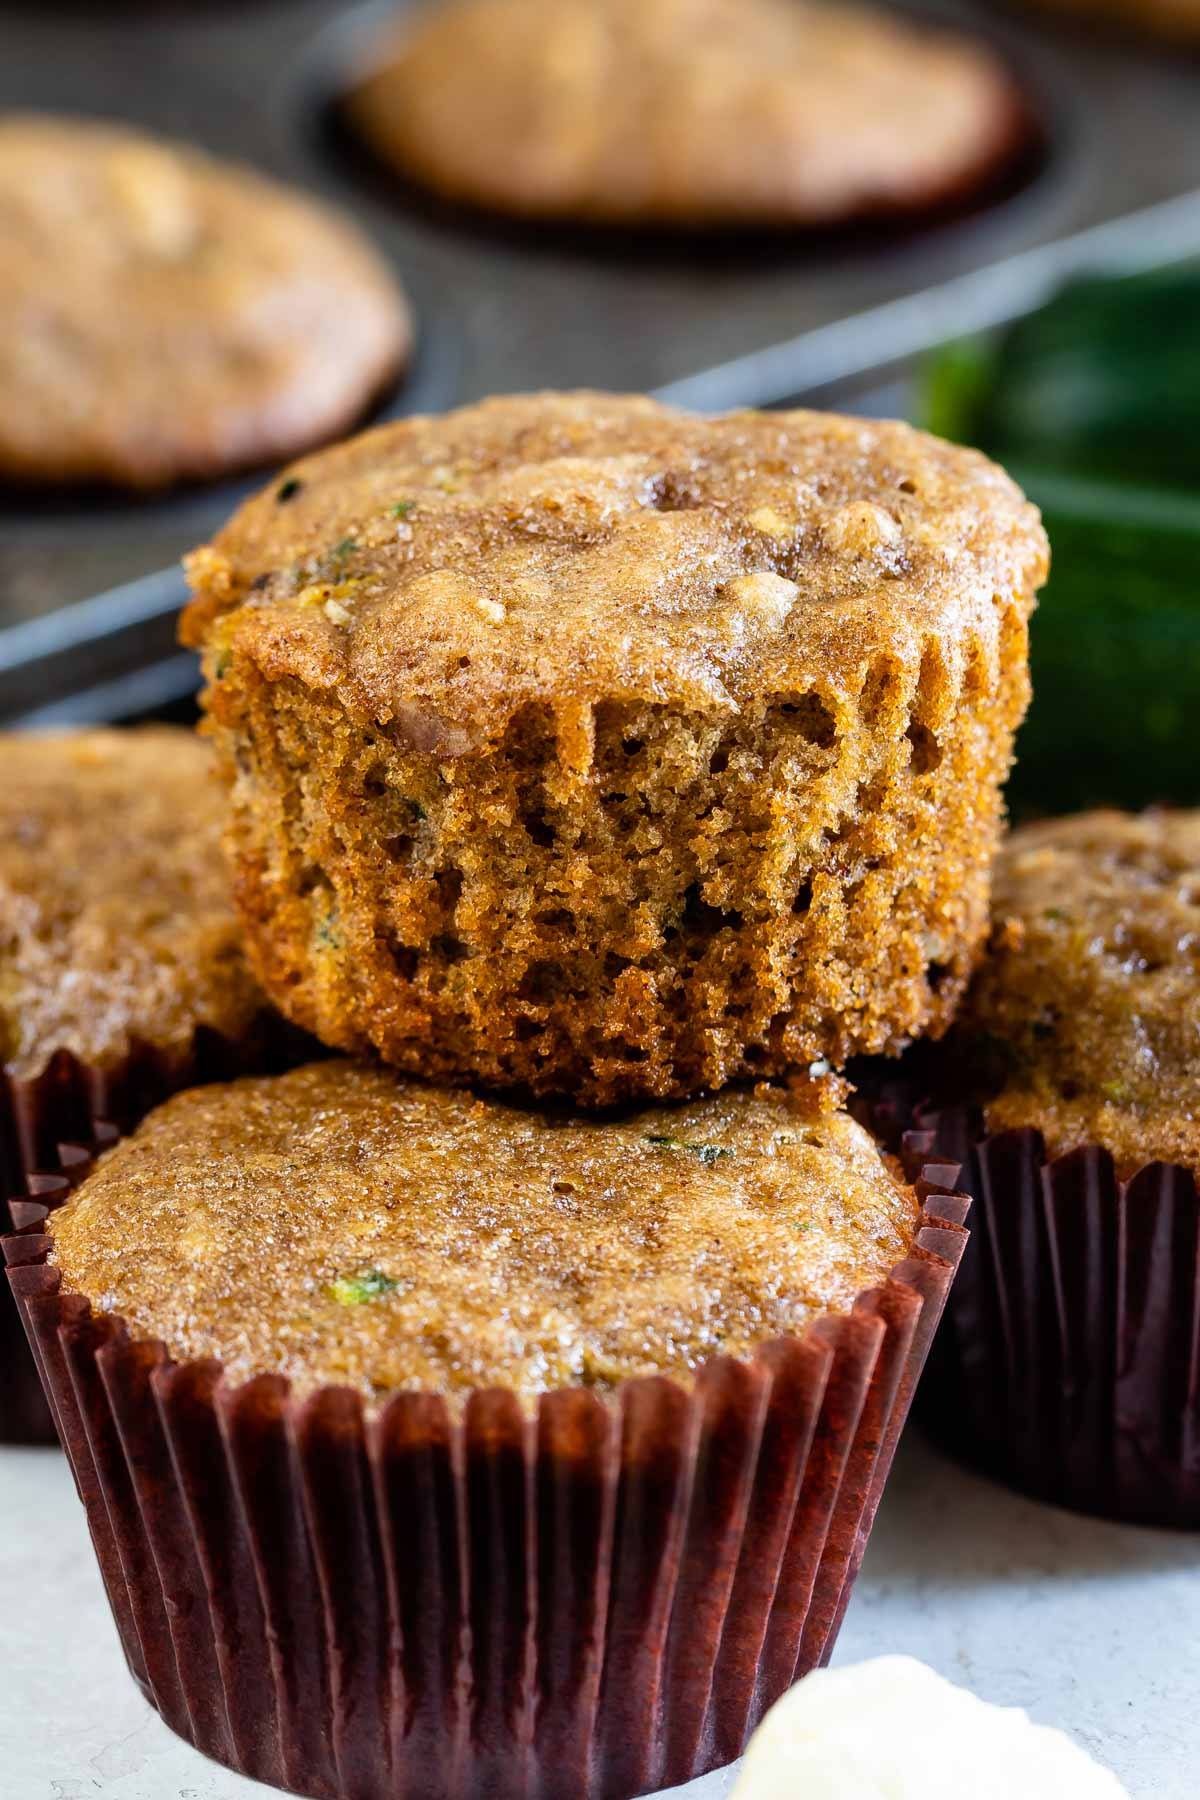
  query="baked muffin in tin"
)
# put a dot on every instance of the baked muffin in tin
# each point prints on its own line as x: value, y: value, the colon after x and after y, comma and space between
x: 167, y: 317
x: 688, y: 113
x: 581, y: 744
x: 430, y: 1444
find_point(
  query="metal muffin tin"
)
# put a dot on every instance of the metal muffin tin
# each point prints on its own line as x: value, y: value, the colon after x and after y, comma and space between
x: 726, y: 320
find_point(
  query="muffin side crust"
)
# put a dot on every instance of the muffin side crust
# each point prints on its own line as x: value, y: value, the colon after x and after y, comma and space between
x: 1086, y: 1009
x: 166, y: 316
x: 580, y: 744
x: 692, y: 113
x: 118, y: 926
x: 337, y: 1225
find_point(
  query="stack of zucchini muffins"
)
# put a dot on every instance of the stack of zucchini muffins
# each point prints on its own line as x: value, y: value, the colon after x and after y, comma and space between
x: 504, y: 1411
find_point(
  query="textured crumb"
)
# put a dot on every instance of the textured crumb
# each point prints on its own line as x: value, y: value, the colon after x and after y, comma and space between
x: 116, y: 924
x: 655, y: 751
x: 1087, y: 1007
x: 338, y: 1225
x: 687, y: 112
x: 165, y: 316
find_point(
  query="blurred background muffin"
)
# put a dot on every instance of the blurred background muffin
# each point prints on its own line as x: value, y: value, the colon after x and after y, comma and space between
x: 731, y: 113
x: 166, y: 316
x: 581, y: 744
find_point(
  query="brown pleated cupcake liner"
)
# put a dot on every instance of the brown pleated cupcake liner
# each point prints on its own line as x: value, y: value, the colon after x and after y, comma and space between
x: 1069, y: 1361
x: 75, y: 1102
x: 597, y: 1597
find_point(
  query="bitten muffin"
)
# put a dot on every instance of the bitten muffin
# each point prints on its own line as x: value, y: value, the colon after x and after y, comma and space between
x: 166, y: 316
x: 118, y: 929
x: 1087, y: 1007
x: 424, y: 1237
x: 523, y: 1454
x: 687, y: 112
x: 581, y: 744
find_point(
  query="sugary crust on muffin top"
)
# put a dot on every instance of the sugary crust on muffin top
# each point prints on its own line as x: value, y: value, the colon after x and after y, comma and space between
x: 439, y: 574
x: 165, y: 315
x: 337, y: 1224
x: 116, y: 924
x: 1088, y: 1004
x: 693, y: 112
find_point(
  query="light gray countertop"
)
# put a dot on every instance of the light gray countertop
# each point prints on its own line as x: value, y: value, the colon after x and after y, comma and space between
x: 1092, y: 1626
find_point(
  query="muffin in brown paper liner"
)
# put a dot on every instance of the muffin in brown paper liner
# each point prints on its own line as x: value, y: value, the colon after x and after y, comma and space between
x: 598, y: 1597
x: 1068, y: 1364
x: 72, y: 1102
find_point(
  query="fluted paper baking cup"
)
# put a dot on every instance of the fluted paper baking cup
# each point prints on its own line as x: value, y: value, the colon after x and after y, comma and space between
x: 75, y: 1102
x: 595, y: 1596
x: 1069, y: 1361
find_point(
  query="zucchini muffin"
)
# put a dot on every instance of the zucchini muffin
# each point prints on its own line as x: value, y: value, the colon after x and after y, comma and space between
x: 693, y: 113
x: 1087, y: 1006
x: 584, y: 745
x: 1067, y: 1362
x: 118, y: 927
x: 165, y: 316
x: 422, y: 1237
x: 122, y: 973
x: 523, y: 1454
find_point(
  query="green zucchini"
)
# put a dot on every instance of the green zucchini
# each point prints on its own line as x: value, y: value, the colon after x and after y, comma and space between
x: 1115, y: 652
x: 1093, y: 404
x: 1104, y: 380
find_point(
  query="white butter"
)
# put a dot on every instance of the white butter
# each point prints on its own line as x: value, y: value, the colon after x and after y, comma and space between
x: 892, y: 1729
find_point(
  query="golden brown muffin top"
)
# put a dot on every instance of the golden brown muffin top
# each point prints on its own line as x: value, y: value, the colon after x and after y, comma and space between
x: 685, y: 111
x: 115, y: 918
x: 165, y: 315
x: 336, y: 1224
x: 1089, y: 1000
x: 439, y: 574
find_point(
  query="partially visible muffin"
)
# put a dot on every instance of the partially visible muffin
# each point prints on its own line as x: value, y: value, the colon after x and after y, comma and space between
x: 687, y: 112
x: 337, y: 1225
x: 1085, y: 1016
x: 116, y: 925
x: 580, y: 744
x: 165, y: 316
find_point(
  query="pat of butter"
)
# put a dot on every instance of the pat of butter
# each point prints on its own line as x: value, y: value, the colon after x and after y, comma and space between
x: 892, y: 1729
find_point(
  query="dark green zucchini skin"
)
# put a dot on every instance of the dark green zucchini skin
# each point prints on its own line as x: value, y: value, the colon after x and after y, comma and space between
x: 1115, y: 653
x: 1093, y: 404
x: 1104, y: 380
